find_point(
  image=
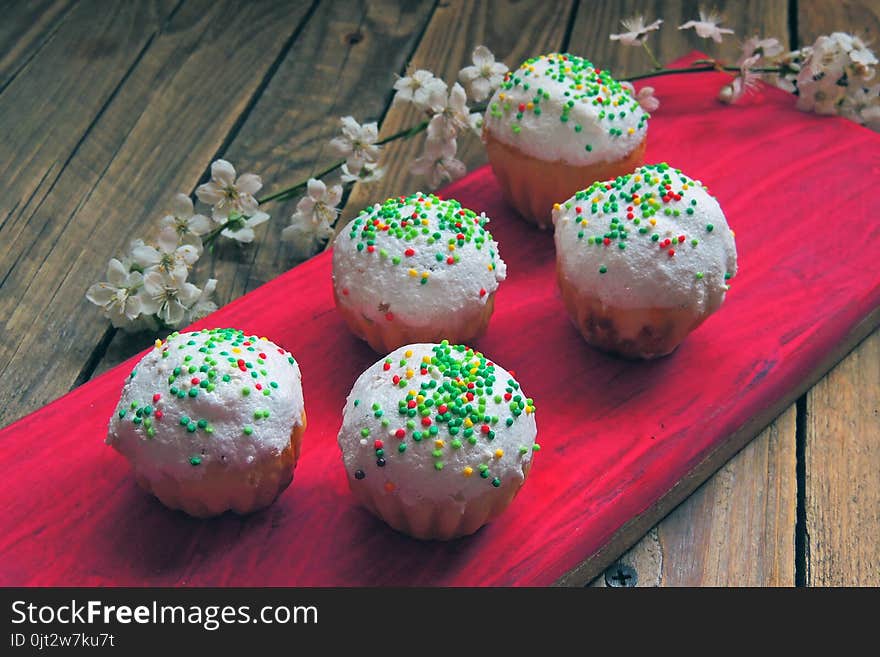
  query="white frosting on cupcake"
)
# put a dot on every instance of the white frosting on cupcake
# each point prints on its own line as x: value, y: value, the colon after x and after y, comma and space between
x: 208, y: 396
x: 437, y: 423
x: 416, y: 259
x: 558, y: 107
x: 651, y: 239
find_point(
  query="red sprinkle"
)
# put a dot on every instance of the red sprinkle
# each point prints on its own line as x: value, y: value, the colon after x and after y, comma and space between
x: 411, y: 403
x: 194, y: 381
x: 485, y: 428
x: 606, y: 241
x: 681, y: 238
x: 671, y: 252
x: 450, y: 260
x: 389, y: 316
x: 426, y: 422
x: 442, y: 408
x: 158, y: 415
x: 522, y: 107
x: 258, y: 386
x: 507, y: 396
x: 386, y: 366
x: 400, y: 433
x: 378, y: 444
x: 370, y: 248
x: 482, y: 292
x: 470, y: 396
x: 409, y: 253
x: 156, y: 397
x: 395, y: 379
x: 262, y: 355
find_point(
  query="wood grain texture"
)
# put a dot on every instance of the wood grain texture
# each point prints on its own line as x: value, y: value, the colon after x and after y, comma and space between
x: 153, y: 135
x: 513, y: 31
x: 859, y: 17
x: 842, y: 472
x: 595, y: 21
x: 737, y: 529
x: 286, y: 134
x: 25, y: 28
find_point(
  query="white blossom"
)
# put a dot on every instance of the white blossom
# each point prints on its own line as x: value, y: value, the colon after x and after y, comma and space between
x: 368, y: 173
x: 118, y: 295
x: 357, y: 143
x: 485, y: 76
x: 862, y: 105
x: 708, y: 26
x: 168, y: 257
x: 314, y: 217
x: 183, y: 220
x: 451, y: 114
x: 744, y: 83
x: 834, y: 63
x: 168, y: 296
x: 204, y: 305
x: 438, y: 162
x: 227, y: 194
x: 241, y: 229
x: 645, y: 96
x: 418, y: 88
x: 637, y: 31
x: 760, y: 47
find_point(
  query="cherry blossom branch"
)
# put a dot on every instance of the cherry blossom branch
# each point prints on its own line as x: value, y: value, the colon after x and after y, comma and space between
x: 698, y: 69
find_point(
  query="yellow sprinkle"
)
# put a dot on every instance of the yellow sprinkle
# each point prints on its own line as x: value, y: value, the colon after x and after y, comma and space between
x: 236, y: 350
x: 578, y: 86
x: 556, y: 206
x: 424, y: 222
x: 530, y: 105
x: 653, y: 222
x: 158, y: 343
x: 439, y: 443
x: 420, y: 399
x: 499, y: 453
x: 637, y: 178
x: 409, y: 374
x: 427, y: 204
x: 413, y: 393
x: 468, y: 471
x: 501, y: 96
x: 631, y: 131
x: 408, y: 352
x: 529, y: 409
x: 425, y: 274
x: 468, y: 423
x: 684, y: 186
x: 426, y: 359
x: 490, y: 267
x: 452, y: 247
x: 596, y: 199
x: 413, y: 272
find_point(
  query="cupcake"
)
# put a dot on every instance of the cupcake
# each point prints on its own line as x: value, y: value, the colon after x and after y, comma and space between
x: 437, y: 440
x: 416, y: 269
x: 556, y: 125
x: 642, y: 260
x: 211, y: 421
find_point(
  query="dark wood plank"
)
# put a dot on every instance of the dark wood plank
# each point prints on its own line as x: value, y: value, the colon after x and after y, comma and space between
x: 859, y: 17
x: 737, y: 529
x: 285, y: 136
x: 188, y: 87
x: 842, y: 472
x: 26, y: 27
x: 511, y: 30
x: 47, y: 109
x: 842, y: 459
x: 595, y: 21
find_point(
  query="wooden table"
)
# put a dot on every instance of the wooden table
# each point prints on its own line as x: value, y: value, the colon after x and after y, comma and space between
x: 108, y: 108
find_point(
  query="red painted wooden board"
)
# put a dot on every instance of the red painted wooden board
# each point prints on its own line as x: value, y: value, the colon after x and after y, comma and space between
x: 799, y: 190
